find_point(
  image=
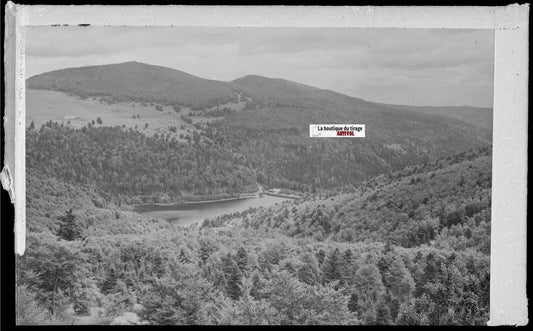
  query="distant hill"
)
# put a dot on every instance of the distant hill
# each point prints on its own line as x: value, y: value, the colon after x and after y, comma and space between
x: 134, y: 81
x: 481, y: 117
x: 277, y: 142
x: 273, y: 91
x: 298, y: 104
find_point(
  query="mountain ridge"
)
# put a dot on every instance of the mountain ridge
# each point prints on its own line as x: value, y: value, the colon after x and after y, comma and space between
x: 240, y: 81
x: 135, y: 81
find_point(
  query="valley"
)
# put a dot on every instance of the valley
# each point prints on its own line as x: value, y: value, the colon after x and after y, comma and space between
x: 392, y: 229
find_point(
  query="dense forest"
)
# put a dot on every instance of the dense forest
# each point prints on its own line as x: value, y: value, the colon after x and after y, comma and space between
x: 325, y: 259
x: 284, y: 156
x: 222, y: 276
x: 130, y: 167
x: 445, y: 202
x: 125, y: 165
x: 275, y: 124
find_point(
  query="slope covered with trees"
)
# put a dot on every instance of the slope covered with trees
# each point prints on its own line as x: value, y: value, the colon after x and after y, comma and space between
x: 290, y: 264
x: 278, y: 146
x: 271, y: 134
x: 444, y: 203
x: 127, y: 166
x: 288, y: 157
x: 144, y: 271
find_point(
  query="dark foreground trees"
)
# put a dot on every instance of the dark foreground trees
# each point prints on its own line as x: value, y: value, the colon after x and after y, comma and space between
x: 69, y: 228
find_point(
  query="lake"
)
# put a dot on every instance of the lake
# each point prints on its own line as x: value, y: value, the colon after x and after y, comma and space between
x: 188, y: 213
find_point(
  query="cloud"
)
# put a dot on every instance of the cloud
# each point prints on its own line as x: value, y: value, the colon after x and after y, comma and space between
x: 424, y: 67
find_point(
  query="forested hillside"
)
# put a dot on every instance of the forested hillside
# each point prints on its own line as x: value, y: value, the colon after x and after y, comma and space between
x: 127, y: 166
x: 270, y: 134
x: 278, y: 142
x: 287, y: 157
x: 445, y: 203
x: 367, y: 257
x: 135, y: 81
x: 133, y: 168
x: 219, y: 276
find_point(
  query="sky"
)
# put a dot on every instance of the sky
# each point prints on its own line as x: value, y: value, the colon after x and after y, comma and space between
x: 423, y: 67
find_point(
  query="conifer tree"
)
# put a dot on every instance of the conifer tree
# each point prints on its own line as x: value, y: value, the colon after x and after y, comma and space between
x: 383, y: 316
x: 234, y: 284
x: 367, y: 281
x: 348, y: 256
x: 183, y: 257
x: 353, y: 302
x: 431, y: 269
x: 110, y: 281
x: 69, y: 229
x: 205, y: 251
x: 346, y: 267
x: 321, y: 255
x: 242, y: 260
x: 331, y: 267
x: 309, y: 273
x: 257, y: 286
x: 398, y: 279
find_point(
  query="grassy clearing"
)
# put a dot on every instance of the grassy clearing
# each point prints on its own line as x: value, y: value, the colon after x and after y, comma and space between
x: 42, y: 106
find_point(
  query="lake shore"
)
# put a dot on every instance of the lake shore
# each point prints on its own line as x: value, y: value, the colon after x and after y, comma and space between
x: 257, y: 194
x: 188, y: 213
x: 281, y: 195
x: 195, y: 202
x: 241, y: 196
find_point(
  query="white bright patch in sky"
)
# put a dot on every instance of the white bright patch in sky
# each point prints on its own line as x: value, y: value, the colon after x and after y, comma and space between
x: 426, y: 67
